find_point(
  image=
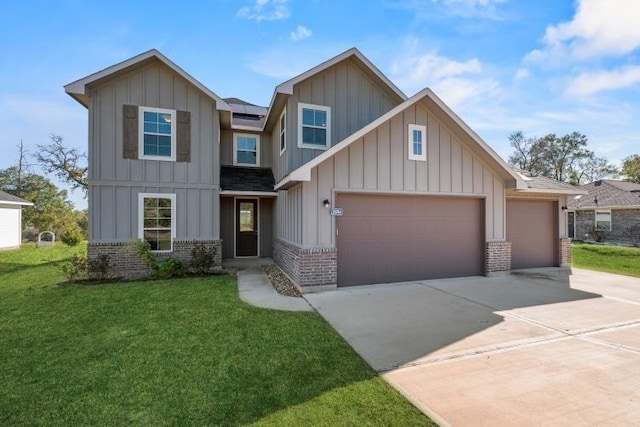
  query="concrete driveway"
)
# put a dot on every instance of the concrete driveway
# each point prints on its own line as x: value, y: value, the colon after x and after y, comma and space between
x: 536, y: 347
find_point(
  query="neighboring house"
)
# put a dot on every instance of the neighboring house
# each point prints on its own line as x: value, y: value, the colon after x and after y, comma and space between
x: 610, y: 207
x: 11, y: 220
x: 342, y: 179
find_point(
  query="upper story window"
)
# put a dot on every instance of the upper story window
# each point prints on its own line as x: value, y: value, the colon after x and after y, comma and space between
x: 603, y: 220
x: 314, y: 126
x: 283, y: 131
x: 417, y: 142
x: 157, y: 133
x: 246, y: 149
x: 157, y: 218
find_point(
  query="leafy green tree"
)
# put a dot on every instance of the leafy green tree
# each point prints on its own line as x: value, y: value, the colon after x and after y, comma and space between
x: 631, y: 168
x: 51, y: 211
x: 565, y: 158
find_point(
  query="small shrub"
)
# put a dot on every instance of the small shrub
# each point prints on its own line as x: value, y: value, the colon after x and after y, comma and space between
x: 100, y: 268
x: 143, y: 249
x: 203, y: 258
x: 72, y: 236
x: 76, y: 269
x: 169, y: 268
x: 598, y: 235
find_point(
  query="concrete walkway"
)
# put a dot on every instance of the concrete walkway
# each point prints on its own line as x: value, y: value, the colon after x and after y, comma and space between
x: 255, y: 289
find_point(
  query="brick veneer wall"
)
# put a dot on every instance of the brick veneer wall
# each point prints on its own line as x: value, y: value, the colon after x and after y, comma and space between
x: 565, y: 252
x: 307, y: 267
x: 621, y: 220
x: 125, y: 262
x: 497, y: 257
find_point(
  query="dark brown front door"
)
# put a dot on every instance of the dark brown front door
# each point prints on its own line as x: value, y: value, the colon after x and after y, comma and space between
x: 246, y: 227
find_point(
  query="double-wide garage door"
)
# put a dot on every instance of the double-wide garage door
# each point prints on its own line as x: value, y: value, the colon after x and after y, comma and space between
x: 531, y: 229
x: 399, y: 238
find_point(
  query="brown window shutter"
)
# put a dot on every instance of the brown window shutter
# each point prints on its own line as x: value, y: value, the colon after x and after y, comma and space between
x: 130, y: 131
x: 183, y: 135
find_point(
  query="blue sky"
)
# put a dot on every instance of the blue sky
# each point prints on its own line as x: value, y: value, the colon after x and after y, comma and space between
x: 503, y: 65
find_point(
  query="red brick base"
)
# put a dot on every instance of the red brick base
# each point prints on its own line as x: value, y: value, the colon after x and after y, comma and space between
x: 497, y: 258
x: 308, y: 268
x: 125, y: 262
x: 565, y: 252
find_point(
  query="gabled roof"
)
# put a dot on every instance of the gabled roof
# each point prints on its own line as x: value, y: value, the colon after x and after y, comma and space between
x: 609, y: 193
x: 77, y: 89
x: 10, y: 199
x: 303, y: 173
x: 286, y: 88
x: 541, y: 184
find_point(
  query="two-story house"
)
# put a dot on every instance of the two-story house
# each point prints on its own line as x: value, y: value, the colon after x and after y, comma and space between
x: 342, y: 179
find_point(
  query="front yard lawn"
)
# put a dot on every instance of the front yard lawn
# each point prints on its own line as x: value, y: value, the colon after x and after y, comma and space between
x: 179, y: 352
x: 611, y: 259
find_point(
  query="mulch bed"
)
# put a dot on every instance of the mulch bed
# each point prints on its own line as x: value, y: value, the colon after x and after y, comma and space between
x: 281, y: 282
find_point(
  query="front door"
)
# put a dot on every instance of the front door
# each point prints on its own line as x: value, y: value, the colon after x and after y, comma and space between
x: 572, y: 224
x: 246, y: 227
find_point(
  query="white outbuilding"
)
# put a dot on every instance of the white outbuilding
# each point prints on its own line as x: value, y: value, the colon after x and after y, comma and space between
x: 11, y: 220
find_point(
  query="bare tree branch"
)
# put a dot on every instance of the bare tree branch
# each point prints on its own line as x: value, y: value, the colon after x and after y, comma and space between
x: 68, y: 164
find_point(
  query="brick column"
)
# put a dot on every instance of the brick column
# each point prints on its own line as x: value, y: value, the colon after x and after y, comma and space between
x: 497, y: 259
x: 565, y: 252
x: 311, y: 269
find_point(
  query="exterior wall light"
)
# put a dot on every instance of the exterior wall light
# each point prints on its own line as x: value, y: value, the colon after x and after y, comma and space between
x: 326, y: 203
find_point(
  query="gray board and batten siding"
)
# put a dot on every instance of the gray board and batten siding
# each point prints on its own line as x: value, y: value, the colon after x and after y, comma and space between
x: 378, y: 163
x: 115, y: 181
x: 355, y: 98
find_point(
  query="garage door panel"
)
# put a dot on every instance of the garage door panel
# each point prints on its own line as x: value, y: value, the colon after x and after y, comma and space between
x: 400, y: 238
x: 531, y: 229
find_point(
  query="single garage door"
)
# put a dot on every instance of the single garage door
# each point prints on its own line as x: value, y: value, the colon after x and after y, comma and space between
x: 385, y: 239
x: 531, y: 229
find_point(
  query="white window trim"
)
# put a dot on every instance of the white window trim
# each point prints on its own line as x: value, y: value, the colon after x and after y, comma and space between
x: 325, y: 108
x: 235, y: 149
x: 595, y: 218
x: 174, y: 123
x: 283, y: 131
x: 141, y: 197
x: 423, y: 142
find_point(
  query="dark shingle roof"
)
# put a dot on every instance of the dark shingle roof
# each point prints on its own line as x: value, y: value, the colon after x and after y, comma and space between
x: 609, y: 193
x: 6, y: 197
x: 237, y: 178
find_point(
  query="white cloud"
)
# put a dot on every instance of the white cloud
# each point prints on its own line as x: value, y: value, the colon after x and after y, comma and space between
x: 522, y: 73
x: 598, y: 29
x: 456, y: 82
x: 594, y: 82
x: 300, y: 33
x: 266, y: 10
x: 463, y: 8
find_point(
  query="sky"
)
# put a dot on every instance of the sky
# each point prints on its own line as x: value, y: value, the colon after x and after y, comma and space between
x: 544, y: 66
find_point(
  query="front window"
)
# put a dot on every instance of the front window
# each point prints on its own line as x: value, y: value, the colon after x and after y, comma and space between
x: 314, y: 126
x: 157, y: 220
x: 417, y: 142
x: 157, y: 133
x: 246, y: 149
x: 603, y: 220
x: 283, y: 131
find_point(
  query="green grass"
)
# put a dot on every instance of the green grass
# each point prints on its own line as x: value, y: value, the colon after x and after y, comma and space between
x: 179, y: 352
x: 610, y: 259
